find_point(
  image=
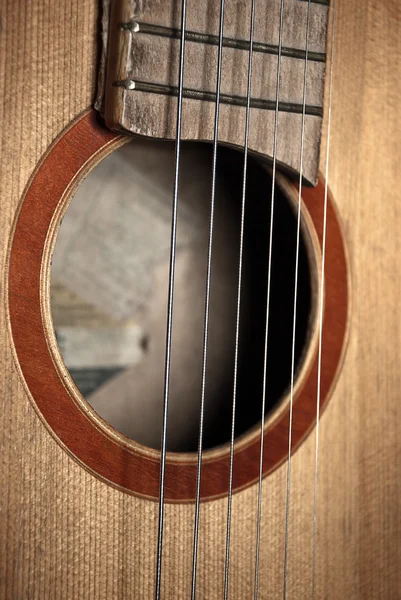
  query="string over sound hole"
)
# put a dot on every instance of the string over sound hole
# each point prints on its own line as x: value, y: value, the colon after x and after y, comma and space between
x: 109, y: 282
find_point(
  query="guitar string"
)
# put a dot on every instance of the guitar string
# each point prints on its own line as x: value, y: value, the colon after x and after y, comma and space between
x: 294, y: 324
x: 207, y: 301
x: 241, y: 248
x: 319, y: 372
x: 170, y: 305
x: 264, y: 390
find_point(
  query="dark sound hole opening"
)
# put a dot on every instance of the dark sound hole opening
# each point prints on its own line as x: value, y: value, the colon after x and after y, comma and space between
x: 109, y: 292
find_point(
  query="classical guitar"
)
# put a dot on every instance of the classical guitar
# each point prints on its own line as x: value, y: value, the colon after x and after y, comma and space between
x: 201, y: 342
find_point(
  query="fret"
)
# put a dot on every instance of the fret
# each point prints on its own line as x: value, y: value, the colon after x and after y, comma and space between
x: 202, y: 16
x: 201, y: 95
x: 204, y: 38
x: 323, y: 2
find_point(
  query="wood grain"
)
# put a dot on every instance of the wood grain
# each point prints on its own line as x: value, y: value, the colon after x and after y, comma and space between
x: 135, y: 55
x: 63, y: 533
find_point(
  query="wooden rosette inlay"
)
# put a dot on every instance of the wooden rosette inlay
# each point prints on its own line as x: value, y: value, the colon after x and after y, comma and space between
x: 103, y: 451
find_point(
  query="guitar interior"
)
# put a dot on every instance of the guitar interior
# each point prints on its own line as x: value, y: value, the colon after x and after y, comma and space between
x: 109, y: 292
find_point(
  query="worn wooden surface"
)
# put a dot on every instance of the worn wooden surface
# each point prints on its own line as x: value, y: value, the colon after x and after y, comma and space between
x: 65, y: 534
x: 150, y: 55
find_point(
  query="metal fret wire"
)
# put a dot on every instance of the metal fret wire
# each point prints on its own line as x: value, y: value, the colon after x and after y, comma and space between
x: 207, y: 301
x: 273, y: 193
x: 170, y: 305
x: 230, y: 483
x: 319, y: 372
x: 294, y: 325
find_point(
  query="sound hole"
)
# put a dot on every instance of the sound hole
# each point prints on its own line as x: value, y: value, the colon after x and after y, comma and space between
x: 109, y: 293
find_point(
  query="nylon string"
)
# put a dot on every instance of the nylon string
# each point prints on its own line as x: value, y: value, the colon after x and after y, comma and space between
x: 170, y: 305
x: 319, y: 372
x: 207, y: 307
x: 294, y: 325
x: 264, y: 390
x: 244, y: 180
x: 207, y: 303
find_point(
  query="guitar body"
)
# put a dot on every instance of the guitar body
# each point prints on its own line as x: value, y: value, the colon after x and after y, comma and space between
x: 65, y: 533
